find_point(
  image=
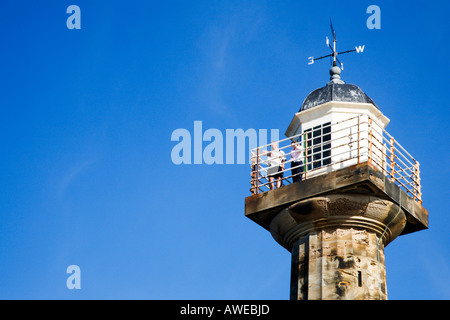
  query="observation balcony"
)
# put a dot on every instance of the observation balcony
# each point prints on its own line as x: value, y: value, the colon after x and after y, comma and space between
x: 333, y: 146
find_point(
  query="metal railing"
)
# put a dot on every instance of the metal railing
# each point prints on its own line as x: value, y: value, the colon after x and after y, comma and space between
x: 330, y: 147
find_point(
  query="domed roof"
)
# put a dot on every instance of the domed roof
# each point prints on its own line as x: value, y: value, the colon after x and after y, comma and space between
x: 335, y: 90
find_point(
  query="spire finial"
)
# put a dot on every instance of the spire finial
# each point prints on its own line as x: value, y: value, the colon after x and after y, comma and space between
x: 335, y: 72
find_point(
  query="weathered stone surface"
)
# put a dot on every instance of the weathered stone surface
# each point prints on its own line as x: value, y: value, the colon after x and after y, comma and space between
x: 338, y: 264
x: 380, y: 216
x: 337, y: 244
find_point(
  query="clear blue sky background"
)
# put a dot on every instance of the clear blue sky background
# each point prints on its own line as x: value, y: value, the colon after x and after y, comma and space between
x: 87, y: 116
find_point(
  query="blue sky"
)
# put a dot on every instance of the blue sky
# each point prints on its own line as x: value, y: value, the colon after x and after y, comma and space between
x: 86, y: 123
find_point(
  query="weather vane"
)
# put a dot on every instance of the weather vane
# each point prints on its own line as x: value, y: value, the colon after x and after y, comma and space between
x: 334, y: 53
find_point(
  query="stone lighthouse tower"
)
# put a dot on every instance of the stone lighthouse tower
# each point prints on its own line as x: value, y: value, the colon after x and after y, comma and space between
x: 348, y: 189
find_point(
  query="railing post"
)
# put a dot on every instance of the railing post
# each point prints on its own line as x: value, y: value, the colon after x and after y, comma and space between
x: 257, y: 170
x: 417, y: 180
x: 370, y: 141
x: 392, y: 160
x: 253, y: 175
x: 305, y: 153
x: 359, y: 119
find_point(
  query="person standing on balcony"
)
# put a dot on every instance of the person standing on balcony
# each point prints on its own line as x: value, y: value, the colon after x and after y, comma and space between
x: 296, y: 161
x: 275, y: 159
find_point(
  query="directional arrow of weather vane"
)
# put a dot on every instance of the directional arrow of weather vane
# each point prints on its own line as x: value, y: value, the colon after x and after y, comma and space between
x: 334, y: 53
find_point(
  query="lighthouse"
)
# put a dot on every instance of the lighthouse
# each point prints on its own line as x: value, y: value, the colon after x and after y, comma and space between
x: 346, y: 189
